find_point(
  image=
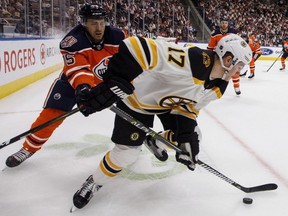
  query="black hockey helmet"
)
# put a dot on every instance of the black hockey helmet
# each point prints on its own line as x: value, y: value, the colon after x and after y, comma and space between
x: 245, y: 37
x: 88, y: 11
x: 224, y: 18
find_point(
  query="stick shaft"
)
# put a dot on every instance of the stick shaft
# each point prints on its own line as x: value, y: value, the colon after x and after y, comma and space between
x: 154, y: 134
x: 39, y: 127
x: 274, y: 62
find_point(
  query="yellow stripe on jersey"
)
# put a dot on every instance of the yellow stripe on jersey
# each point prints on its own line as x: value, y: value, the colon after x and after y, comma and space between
x: 153, y: 51
x: 138, y: 105
x: 215, y: 89
x: 139, y: 52
x: 198, y: 81
x: 181, y: 111
x: 133, y: 102
x: 217, y: 92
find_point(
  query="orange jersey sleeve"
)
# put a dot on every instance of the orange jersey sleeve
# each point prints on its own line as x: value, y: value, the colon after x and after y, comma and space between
x: 255, y: 47
x: 85, y: 62
x: 216, y: 37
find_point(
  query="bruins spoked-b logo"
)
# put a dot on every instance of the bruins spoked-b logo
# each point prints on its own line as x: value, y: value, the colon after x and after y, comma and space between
x: 175, y: 101
x: 134, y: 136
x: 206, y: 59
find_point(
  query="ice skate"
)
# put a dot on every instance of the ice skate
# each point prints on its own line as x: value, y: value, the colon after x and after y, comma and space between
x: 251, y: 75
x: 244, y: 74
x: 282, y: 68
x: 19, y: 157
x: 237, y: 91
x: 82, y: 197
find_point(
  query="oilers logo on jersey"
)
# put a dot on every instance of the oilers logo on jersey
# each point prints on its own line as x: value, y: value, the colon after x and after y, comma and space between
x: 101, y: 67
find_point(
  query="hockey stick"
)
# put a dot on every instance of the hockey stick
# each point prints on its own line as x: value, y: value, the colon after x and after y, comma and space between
x: 274, y: 61
x: 39, y: 127
x: 138, y: 124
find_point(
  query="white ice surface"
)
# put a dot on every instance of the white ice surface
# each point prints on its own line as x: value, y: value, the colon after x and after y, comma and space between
x: 244, y: 137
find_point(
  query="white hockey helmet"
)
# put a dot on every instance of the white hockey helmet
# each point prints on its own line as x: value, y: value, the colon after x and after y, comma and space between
x: 237, y: 47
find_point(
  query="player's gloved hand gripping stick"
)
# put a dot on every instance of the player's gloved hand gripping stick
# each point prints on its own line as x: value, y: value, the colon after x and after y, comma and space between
x: 89, y: 100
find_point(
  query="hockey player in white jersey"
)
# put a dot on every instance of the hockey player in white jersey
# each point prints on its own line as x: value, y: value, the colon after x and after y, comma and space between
x: 166, y: 80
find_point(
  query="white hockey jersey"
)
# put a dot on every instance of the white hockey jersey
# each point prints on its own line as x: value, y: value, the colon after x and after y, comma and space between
x: 172, y: 78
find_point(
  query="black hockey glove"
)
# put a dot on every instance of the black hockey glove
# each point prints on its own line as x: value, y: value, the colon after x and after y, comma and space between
x: 83, y: 95
x: 109, y: 91
x: 190, y: 149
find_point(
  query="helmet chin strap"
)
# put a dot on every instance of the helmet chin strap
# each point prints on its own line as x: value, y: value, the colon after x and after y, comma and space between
x: 227, y: 69
x: 225, y: 75
x: 223, y: 66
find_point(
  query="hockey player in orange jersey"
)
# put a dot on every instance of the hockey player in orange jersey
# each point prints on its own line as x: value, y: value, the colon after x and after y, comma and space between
x: 255, y: 47
x: 216, y: 35
x: 86, y: 50
x: 285, y: 52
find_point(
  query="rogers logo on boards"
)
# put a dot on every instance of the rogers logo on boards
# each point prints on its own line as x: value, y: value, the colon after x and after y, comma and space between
x: 13, y: 60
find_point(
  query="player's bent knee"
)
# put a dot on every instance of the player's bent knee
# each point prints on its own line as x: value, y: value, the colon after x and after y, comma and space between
x: 123, y: 155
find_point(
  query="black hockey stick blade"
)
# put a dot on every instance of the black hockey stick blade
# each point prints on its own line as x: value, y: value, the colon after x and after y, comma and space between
x: 265, y: 187
x: 39, y: 127
x: 259, y: 188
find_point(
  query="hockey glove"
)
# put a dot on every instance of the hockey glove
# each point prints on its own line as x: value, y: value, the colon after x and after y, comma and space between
x: 83, y: 95
x: 109, y: 91
x: 190, y: 150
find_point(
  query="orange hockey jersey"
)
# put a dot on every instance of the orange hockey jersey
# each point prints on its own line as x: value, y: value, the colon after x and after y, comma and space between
x: 84, y: 62
x: 255, y: 47
x: 217, y: 35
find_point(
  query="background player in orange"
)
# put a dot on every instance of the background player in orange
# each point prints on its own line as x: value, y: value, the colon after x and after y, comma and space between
x: 285, y: 52
x: 86, y: 50
x: 256, y: 51
x: 215, y: 37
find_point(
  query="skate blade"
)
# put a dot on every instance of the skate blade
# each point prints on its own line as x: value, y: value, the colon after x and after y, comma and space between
x: 73, y: 209
x: 5, y: 168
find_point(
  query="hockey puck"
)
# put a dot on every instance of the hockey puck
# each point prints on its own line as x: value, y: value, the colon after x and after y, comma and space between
x: 247, y: 200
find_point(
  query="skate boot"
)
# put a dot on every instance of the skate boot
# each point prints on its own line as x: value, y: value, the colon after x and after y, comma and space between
x: 244, y: 74
x: 237, y: 91
x: 19, y: 157
x: 82, y: 197
x: 251, y: 75
x: 160, y: 154
x: 283, y: 68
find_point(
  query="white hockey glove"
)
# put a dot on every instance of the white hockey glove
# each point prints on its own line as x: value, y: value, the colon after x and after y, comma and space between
x: 190, y: 150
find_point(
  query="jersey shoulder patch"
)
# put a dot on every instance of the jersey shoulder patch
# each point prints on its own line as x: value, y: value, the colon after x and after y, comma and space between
x: 68, y: 41
x: 75, y: 40
x: 205, y: 61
